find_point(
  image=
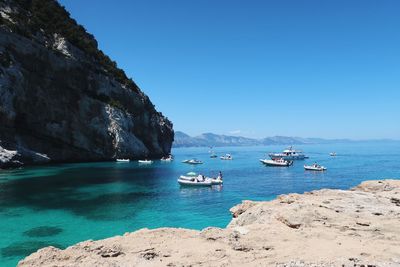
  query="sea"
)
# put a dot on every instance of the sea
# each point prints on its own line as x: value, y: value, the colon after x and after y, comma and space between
x: 60, y: 205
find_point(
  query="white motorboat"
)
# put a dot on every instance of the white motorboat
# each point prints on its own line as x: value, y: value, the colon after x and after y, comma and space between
x: 192, y: 179
x: 195, y: 179
x: 289, y: 154
x: 333, y: 154
x: 227, y: 157
x: 192, y: 161
x: 169, y: 158
x: 277, y: 162
x: 145, y: 161
x: 314, y: 167
x: 122, y: 160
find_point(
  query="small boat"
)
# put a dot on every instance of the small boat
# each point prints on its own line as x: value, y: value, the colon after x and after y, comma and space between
x: 192, y: 179
x: 195, y: 179
x: 169, y: 158
x: 289, y: 154
x: 227, y: 157
x: 277, y: 162
x: 122, y: 160
x: 333, y: 154
x: 314, y: 167
x: 192, y: 161
x: 145, y: 161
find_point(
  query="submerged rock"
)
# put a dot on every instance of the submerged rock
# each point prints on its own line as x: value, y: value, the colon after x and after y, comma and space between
x: 20, y: 249
x: 43, y: 231
x: 321, y: 228
x: 62, y: 99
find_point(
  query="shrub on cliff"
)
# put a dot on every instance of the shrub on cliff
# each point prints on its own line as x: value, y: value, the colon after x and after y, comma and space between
x: 49, y: 17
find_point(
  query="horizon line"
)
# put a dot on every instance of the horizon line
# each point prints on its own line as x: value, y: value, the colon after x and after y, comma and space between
x: 293, y: 136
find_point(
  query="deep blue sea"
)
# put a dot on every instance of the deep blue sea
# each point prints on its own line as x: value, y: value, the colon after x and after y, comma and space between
x: 64, y: 204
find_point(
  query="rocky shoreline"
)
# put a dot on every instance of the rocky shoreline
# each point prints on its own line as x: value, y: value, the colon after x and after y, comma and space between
x: 356, y: 227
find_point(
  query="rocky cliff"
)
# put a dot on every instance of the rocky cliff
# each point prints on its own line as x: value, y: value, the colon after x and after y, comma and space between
x: 359, y: 227
x: 62, y: 99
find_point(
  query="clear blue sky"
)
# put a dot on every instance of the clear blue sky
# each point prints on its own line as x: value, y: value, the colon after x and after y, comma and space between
x: 259, y: 68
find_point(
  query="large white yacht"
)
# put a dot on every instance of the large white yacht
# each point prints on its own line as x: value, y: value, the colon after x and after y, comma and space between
x: 288, y: 154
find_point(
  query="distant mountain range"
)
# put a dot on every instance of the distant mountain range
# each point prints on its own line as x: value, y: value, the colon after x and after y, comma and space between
x: 215, y: 140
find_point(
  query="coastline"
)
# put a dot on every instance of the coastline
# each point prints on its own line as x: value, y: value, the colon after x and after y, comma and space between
x: 320, y: 228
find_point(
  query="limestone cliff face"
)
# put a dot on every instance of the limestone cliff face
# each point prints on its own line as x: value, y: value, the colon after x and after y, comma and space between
x: 63, y: 100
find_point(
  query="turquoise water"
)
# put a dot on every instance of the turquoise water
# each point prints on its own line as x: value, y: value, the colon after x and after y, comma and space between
x: 63, y: 204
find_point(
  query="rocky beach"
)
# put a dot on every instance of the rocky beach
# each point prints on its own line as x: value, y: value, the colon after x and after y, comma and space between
x: 356, y: 227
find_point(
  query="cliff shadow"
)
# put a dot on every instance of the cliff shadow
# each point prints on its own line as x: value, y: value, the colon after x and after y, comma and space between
x: 97, y: 193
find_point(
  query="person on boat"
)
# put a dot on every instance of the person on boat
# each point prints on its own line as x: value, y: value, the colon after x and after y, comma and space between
x: 220, y: 175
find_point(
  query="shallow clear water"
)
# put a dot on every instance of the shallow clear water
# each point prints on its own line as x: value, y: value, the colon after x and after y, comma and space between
x: 63, y: 204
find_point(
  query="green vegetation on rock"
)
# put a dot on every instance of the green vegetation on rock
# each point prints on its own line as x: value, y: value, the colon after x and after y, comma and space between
x: 48, y: 17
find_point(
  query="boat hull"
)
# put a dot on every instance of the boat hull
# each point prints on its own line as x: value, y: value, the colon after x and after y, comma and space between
x: 193, y: 183
x: 145, y: 161
x: 276, y: 164
x: 318, y: 169
x: 192, y: 162
x: 216, y: 181
x: 193, y: 178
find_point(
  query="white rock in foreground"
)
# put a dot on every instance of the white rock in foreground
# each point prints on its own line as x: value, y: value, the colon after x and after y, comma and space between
x: 360, y: 227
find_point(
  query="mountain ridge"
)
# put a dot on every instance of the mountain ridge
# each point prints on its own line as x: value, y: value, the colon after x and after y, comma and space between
x: 214, y: 140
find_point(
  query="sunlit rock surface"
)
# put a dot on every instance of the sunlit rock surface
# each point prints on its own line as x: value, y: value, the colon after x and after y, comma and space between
x: 357, y: 227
